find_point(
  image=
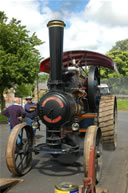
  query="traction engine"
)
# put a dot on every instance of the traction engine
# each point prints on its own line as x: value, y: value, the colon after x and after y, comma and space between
x: 76, y: 115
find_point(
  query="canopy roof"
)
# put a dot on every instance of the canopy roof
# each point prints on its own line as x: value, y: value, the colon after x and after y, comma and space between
x: 81, y: 58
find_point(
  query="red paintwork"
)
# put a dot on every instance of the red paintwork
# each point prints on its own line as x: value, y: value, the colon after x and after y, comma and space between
x: 52, y: 120
x: 89, y: 182
x: 53, y: 98
x: 81, y: 58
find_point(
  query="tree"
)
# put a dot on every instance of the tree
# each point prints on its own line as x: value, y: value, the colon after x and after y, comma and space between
x: 120, y: 45
x: 19, y: 59
x: 43, y: 77
x: 118, y: 81
x: 119, y: 54
x: 24, y: 90
x: 120, y: 59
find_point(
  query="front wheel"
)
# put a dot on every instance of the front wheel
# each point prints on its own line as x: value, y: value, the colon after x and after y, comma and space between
x: 18, y: 157
x: 93, y: 138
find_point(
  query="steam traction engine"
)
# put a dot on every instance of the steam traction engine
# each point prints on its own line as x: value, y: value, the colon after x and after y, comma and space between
x: 76, y: 116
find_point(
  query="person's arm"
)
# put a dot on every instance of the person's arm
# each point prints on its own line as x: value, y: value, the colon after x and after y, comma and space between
x: 33, y: 108
x: 5, y: 112
x: 26, y: 107
x: 23, y: 113
x: 30, y: 107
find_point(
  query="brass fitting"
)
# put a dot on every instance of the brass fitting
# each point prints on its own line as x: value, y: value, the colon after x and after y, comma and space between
x: 56, y: 23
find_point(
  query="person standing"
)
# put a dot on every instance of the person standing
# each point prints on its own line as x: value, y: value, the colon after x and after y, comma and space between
x: 31, y: 111
x: 15, y: 113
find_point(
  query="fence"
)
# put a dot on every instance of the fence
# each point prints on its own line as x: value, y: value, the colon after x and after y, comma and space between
x: 118, y: 86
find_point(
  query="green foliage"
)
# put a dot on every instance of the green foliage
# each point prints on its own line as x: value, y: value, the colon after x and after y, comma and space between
x: 43, y: 77
x: 120, y: 45
x: 19, y: 59
x: 3, y: 119
x: 119, y: 54
x: 24, y: 90
x: 120, y: 58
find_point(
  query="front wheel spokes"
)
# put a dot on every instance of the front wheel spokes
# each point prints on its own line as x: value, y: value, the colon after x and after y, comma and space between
x: 22, y: 139
x: 98, y: 160
x: 21, y: 162
x: 16, y: 157
x: 23, y: 150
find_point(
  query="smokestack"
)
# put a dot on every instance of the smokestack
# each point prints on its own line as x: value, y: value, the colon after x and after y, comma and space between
x: 56, y: 29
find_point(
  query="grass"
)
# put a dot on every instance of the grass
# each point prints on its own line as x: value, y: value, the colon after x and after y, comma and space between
x: 122, y: 104
x: 3, y: 119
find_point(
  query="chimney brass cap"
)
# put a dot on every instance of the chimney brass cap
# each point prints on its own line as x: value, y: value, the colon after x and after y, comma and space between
x: 56, y: 23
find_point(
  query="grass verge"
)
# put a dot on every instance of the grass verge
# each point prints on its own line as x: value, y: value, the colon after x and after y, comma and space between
x: 3, y: 119
x: 122, y: 104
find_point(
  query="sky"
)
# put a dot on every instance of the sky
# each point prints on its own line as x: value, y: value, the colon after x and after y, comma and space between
x: 93, y: 25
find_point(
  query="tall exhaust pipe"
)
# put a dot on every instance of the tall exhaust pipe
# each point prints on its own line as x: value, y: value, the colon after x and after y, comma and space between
x: 56, y: 30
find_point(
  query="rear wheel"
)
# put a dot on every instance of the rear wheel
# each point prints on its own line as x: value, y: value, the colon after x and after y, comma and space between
x: 108, y: 121
x: 93, y: 138
x: 18, y: 158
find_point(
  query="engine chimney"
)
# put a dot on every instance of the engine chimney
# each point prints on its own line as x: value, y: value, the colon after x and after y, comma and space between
x: 56, y: 29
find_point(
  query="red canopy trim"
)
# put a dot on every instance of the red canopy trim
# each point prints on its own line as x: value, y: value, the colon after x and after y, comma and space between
x: 81, y: 58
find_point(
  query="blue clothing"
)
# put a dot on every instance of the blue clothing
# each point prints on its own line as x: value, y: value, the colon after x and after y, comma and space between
x: 13, y: 112
x: 10, y: 129
x: 29, y: 122
x: 30, y: 114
